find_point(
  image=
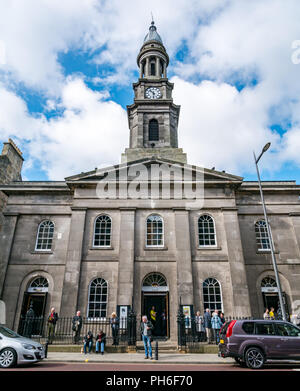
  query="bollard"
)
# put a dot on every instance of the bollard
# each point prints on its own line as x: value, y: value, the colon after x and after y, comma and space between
x: 156, y: 350
x: 46, y: 348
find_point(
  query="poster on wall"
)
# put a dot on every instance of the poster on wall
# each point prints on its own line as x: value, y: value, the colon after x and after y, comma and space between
x: 123, y: 316
x: 187, y: 315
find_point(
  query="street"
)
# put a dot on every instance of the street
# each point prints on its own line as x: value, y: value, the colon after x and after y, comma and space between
x: 154, y: 367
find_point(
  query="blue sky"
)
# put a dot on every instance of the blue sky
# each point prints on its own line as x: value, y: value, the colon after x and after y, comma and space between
x: 67, y: 68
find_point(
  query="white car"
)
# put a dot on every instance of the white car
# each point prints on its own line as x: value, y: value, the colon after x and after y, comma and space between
x: 15, y: 349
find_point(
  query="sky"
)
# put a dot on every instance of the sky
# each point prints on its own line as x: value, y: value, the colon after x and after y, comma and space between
x: 67, y: 68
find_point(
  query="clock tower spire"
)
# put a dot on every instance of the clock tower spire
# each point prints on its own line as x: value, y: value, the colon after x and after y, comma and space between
x: 153, y: 117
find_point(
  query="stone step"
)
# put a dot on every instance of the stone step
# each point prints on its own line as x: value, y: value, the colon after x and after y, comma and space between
x: 201, y: 348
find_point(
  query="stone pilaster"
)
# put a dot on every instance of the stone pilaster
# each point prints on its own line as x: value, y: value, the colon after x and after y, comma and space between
x: 240, y: 292
x: 126, y: 257
x: 73, y: 264
x: 6, y: 242
x: 184, y: 259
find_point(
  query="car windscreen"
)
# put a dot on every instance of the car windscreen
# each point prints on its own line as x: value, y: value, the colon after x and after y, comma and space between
x: 8, y: 333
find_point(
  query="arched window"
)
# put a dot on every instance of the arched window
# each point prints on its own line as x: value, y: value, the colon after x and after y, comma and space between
x: 102, y: 231
x: 206, y: 231
x: 268, y: 282
x: 153, y: 130
x: 154, y: 280
x: 97, y: 304
x: 155, y: 231
x: 39, y: 284
x: 45, y: 236
x: 212, y: 297
x: 262, y: 237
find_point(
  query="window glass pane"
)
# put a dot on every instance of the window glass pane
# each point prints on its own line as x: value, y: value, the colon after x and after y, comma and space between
x: 264, y: 329
x: 248, y: 327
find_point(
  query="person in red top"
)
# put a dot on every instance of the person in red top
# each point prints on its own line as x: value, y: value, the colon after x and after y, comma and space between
x: 52, y: 319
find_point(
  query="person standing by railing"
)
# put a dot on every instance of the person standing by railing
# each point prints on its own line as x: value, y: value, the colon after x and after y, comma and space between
x: 207, y: 324
x: 114, y: 322
x: 76, y: 326
x: 200, y: 329
x: 216, y: 325
x: 52, y: 319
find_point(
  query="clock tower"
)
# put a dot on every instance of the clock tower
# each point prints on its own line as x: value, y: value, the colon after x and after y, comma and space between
x: 153, y: 117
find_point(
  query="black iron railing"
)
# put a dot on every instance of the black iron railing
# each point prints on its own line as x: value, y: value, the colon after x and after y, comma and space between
x: 191, y: 333
x: 63, y: 331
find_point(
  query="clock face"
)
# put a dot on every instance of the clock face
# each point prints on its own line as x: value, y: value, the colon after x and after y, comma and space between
x: 153, y: 93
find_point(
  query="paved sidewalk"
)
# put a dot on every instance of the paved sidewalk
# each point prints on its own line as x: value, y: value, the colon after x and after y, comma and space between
x: 166, y: 358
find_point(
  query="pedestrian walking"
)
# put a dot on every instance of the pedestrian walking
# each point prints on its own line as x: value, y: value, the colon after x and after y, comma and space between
x: 100, y: 342
x: 146, y: 328
x: 216, y: 325
x: 200, y: 329
x: 114, y: 322
x: 52, y: 320
x: 88, y: 342
x: 207, y: 325
x: 76, y: 326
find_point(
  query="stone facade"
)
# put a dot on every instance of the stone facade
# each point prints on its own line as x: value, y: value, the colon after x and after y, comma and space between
x: 234, y: 261
x: 11, y: 162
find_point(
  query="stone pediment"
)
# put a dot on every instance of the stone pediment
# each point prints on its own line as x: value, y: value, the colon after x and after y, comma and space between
x: 133, y: 170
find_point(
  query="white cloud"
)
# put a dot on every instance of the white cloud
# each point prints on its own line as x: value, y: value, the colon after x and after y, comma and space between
x: 220, y: 126
x: 91, y: 131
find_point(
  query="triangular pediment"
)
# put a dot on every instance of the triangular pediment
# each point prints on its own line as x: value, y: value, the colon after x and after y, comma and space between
x: 130, y: 169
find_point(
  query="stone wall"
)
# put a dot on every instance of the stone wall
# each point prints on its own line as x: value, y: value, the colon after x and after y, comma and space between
x: 11, y: 162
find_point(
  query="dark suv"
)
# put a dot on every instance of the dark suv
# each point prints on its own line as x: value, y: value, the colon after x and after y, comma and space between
x: 253, y: 342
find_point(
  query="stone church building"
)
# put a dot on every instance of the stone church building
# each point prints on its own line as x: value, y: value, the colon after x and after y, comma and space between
x: 65, y: 244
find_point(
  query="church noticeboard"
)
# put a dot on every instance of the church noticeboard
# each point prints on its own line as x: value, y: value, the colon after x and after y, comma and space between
x: 187, y: 314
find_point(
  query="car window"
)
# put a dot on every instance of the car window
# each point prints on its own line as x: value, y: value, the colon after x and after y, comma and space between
x: 287, y: 330
x: 8, y: 333
x: 248, y: 327
x: 264, y: 329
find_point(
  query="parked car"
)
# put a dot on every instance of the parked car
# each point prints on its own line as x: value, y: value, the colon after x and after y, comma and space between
x: 15, y: 349
x: 253, y: 342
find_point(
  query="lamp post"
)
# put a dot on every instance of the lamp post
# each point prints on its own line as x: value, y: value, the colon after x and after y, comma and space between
x: 265, y: 148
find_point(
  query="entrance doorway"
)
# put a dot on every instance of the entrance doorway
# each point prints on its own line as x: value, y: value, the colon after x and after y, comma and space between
x: 35, y: 296
x: 270, y: 295
x: 160, y: 304
x: 155, y: 297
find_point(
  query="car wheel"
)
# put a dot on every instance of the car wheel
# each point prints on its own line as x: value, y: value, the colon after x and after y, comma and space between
x: 254, y: 358
x: 8, y: 358
x: 240, y: 361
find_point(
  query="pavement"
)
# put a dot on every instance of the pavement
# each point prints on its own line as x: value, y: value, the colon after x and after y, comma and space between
x: 138, y: 358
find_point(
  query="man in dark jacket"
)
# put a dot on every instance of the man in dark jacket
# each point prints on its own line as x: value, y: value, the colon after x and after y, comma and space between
x: 100, y: 341
x: 76, y: 326
x: 88, y: 342
x: 114, y: 322
x: 52, y: 319
x: 146, y: 328
x: 207, y: 324
x: 29, y: 322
